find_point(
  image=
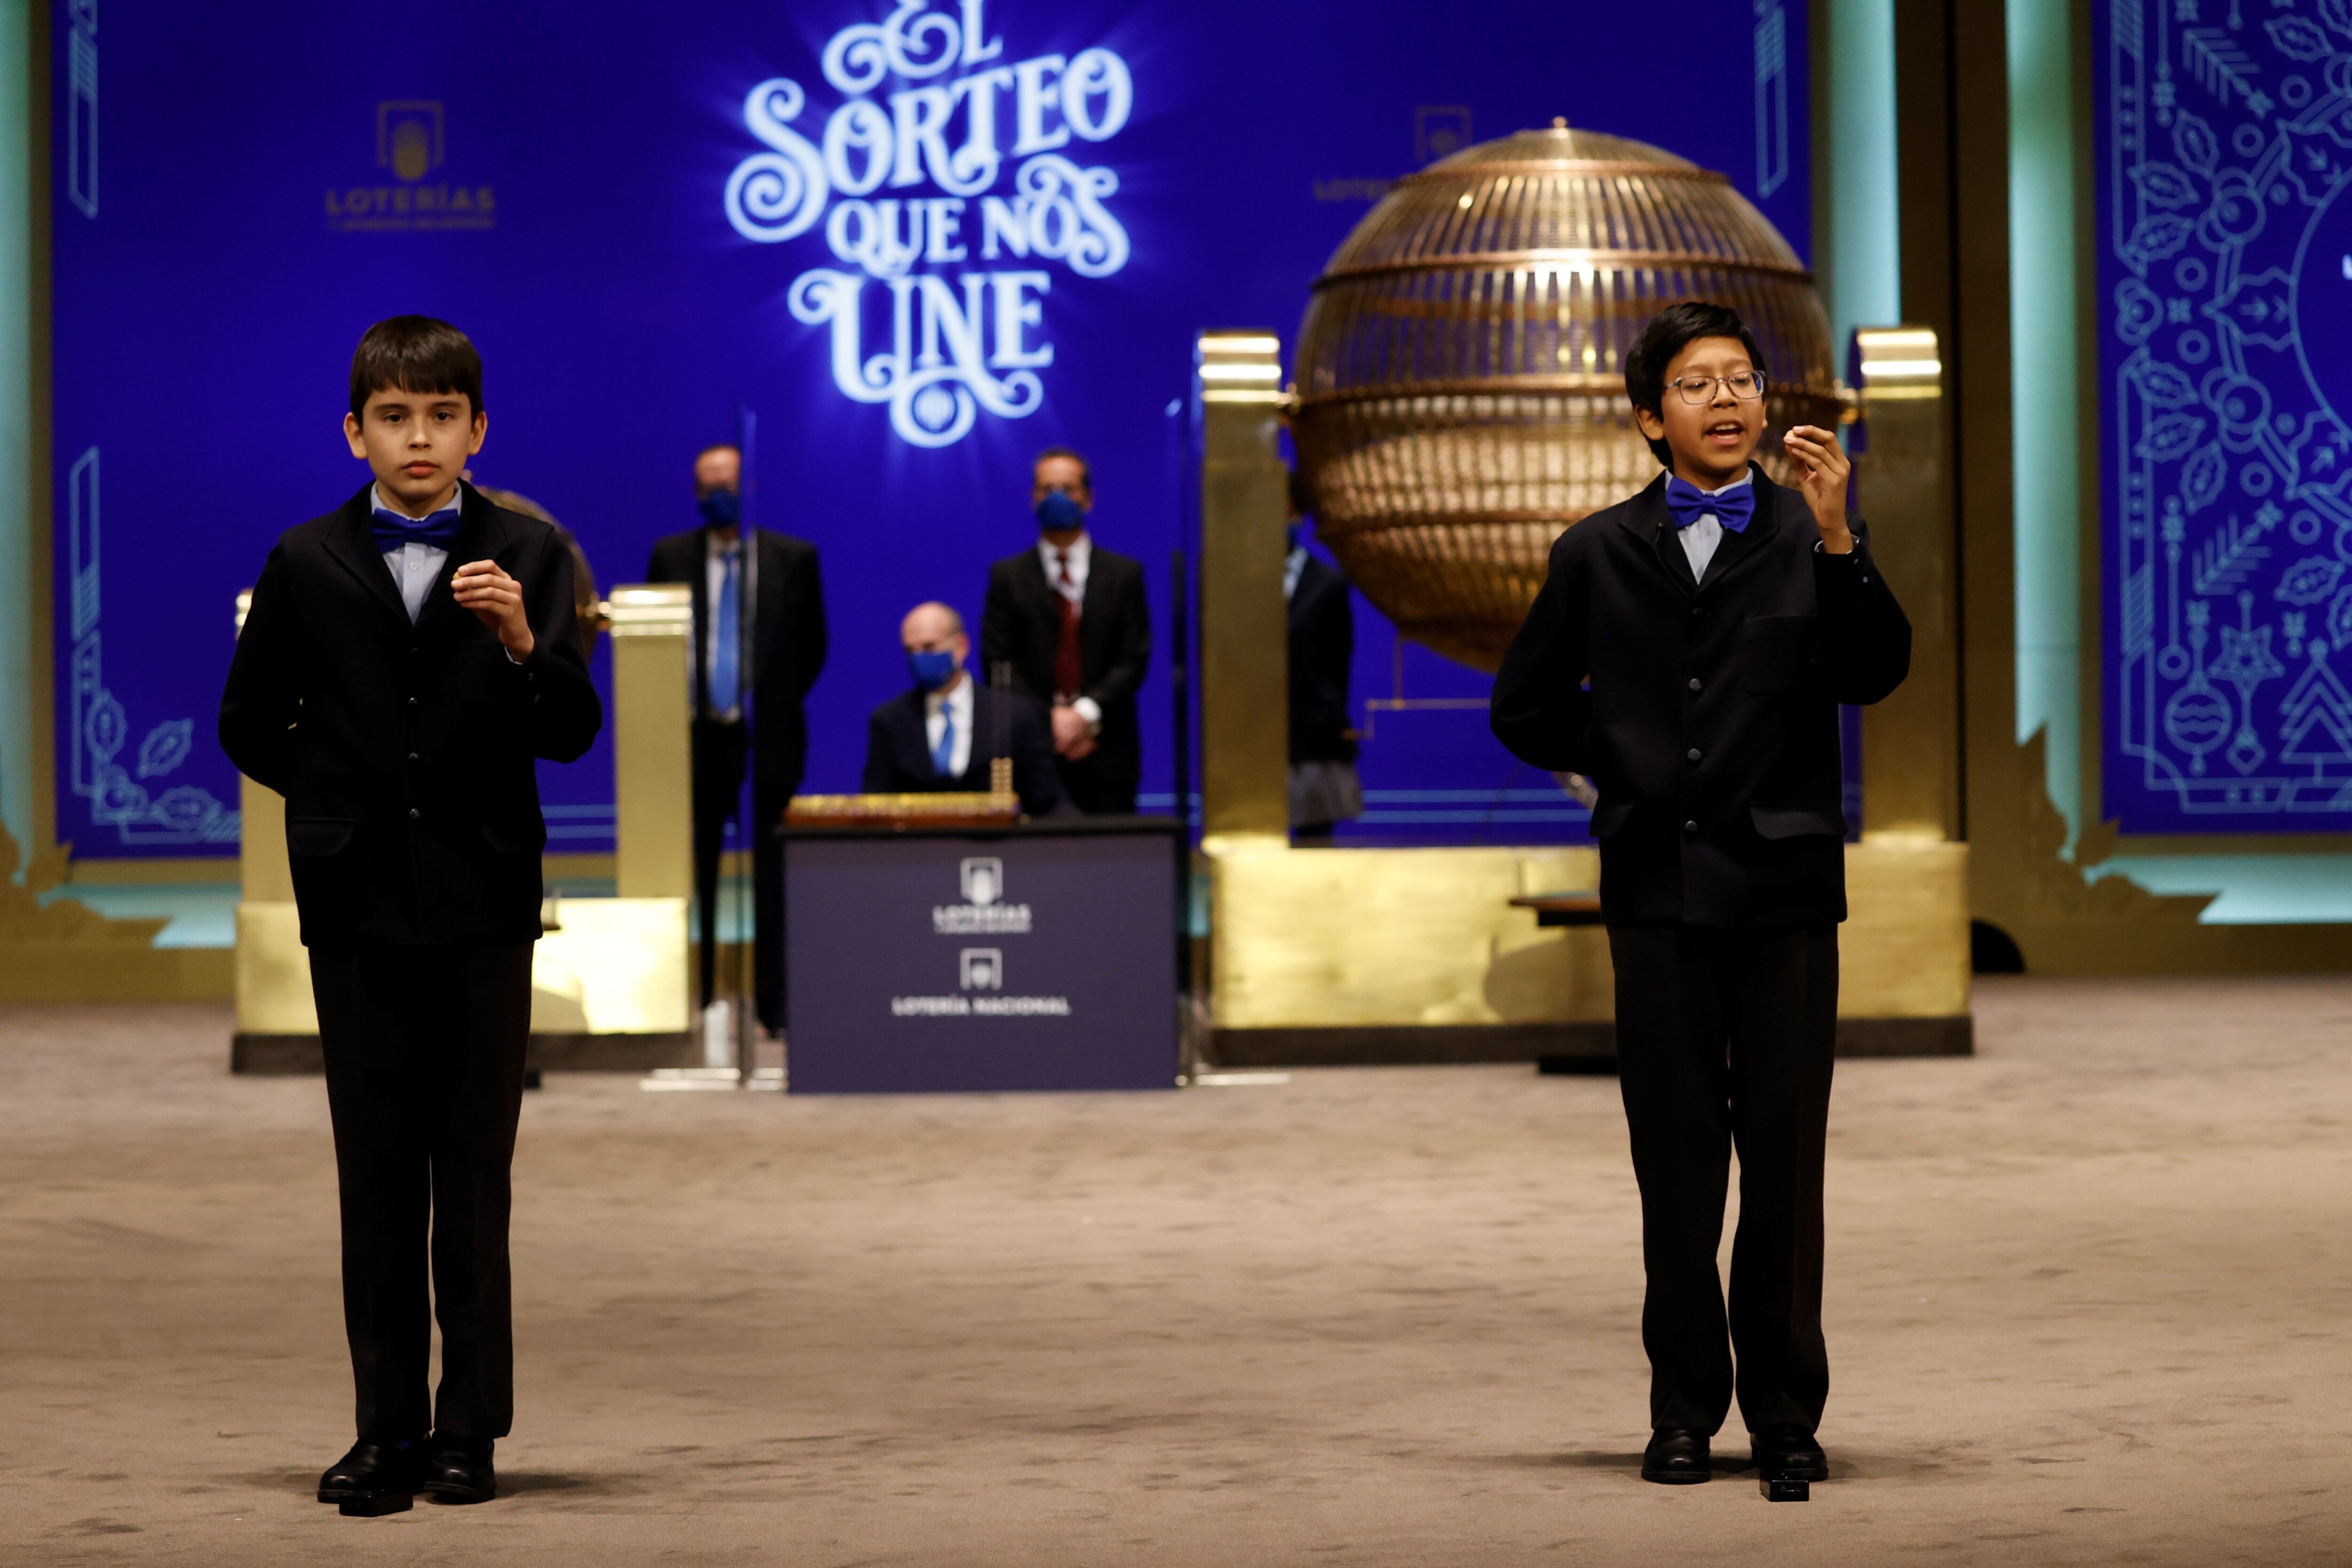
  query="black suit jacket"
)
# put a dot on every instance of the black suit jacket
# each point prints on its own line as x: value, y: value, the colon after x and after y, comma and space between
x: 1020, y: 624
x: 788, y: 640
x: 1322, y: 646
x: 898, y: 752
x: 405, y: 754
x: 1710, y: 728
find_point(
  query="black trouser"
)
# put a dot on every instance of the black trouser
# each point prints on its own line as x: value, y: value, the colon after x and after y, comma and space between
x: 1093, y: 793
x: 1724, y: 1038
x: 425, y: 1058
x: 720, y: 752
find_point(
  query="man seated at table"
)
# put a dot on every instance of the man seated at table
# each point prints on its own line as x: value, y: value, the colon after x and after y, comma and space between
x: 944, y: 733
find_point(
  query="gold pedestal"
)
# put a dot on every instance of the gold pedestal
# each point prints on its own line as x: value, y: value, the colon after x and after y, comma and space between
x: 1327, y: 955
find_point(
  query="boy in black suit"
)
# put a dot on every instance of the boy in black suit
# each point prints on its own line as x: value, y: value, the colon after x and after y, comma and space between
x: 942, y: 735
x: 405, y: 659
x: 1069, y: 617
x: 1687, y: 653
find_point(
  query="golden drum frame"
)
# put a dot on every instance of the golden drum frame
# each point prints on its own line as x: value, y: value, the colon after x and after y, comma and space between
x: 1460, y: 371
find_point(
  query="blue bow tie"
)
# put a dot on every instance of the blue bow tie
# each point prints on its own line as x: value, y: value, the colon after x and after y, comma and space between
x: 437, y: 529
x: 1732, y: 507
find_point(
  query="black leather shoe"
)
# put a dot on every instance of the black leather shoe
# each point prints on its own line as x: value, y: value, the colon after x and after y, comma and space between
x: 1677, y: 1456
x: 1788, y: 1453
x: 372, y: 1470
x: 457, y: 1470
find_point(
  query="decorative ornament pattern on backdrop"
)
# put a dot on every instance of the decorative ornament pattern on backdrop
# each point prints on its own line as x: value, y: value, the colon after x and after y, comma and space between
x: 126, y: 795
x: 2227, y: 354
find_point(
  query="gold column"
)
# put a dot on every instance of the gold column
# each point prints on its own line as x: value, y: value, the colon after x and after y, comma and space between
x: 1245, y: 628
x: 1911, y: 742
x: 1906, y: 946
x: 264, y: 875
x: 653, y: 787
x: 273, y: 973
x: 610, y: 981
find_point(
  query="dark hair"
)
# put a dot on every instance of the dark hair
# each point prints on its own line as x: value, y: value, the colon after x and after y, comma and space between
x: 1669, y: 332
x: 1086, y: 473
x: 414, y: 353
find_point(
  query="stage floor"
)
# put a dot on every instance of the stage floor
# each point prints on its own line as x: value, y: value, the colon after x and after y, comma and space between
x: 2086, y: 1305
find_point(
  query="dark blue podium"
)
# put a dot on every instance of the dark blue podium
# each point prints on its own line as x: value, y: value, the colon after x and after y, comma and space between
x: 1022, y: 956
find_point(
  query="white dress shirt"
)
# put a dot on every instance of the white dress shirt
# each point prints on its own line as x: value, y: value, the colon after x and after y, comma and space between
x: 714, y: 580
x: 1081, y: 555
x: 938, y: 708
x: 1293, y: 567
x: 415, y: 566
x: 1700, y: 539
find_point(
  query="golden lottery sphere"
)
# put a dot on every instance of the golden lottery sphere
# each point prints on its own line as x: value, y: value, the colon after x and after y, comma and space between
x: 1461, y: 394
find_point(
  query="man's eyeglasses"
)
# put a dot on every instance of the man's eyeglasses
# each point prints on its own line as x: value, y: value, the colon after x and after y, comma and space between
x: 1747, y: 385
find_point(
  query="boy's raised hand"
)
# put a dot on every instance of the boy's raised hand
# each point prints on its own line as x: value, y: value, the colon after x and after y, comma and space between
x: 495, y: 599
x: 1824, y: 469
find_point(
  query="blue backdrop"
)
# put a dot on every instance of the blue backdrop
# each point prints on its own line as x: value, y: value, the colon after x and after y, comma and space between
x: 2225, y: 335
x: 919, y: 241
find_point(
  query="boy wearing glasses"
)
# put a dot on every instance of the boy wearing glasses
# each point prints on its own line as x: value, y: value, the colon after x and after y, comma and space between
x: 1687, y: 653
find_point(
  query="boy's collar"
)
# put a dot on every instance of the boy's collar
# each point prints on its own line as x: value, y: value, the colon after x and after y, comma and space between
x: 1747, y: 477
x: 376, y: 501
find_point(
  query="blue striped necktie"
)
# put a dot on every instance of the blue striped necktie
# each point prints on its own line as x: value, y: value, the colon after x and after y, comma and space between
x: 727, y: 658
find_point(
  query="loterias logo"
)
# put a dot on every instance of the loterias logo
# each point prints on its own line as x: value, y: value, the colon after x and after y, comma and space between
x: 410, y: 145
x: 983, y: 912
x: 974, y: 152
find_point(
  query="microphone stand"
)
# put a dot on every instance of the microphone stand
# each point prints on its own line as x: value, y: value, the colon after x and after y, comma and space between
x: 746, y: 889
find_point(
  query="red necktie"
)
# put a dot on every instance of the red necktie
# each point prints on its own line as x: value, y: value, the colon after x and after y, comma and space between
x: 1069, y: 671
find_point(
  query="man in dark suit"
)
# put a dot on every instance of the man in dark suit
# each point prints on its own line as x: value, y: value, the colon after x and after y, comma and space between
x: 1324, y: 789
x: 759, y: 634
x: 1070, y: 620
x: 942, y: 733
x: 1687, y: 654
x: 406, y: 660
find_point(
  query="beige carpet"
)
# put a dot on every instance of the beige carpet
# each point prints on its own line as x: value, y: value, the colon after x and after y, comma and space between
x: 2087, y: 1304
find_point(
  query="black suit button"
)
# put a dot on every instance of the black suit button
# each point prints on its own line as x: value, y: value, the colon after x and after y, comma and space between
x: 413, y: 814
x: 1690, y: 827
x: 1695, y: 683
x: 1691, y: 756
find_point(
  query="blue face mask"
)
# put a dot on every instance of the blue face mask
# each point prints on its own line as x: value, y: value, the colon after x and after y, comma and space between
x: 931, y: 669
x: 721, y: 508
x: 1058, y: 513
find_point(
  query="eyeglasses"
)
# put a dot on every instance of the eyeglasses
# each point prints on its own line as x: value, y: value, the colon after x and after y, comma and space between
x: 1747, y: 385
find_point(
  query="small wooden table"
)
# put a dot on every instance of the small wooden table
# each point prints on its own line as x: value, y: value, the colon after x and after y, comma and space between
x: 1561, y: 909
